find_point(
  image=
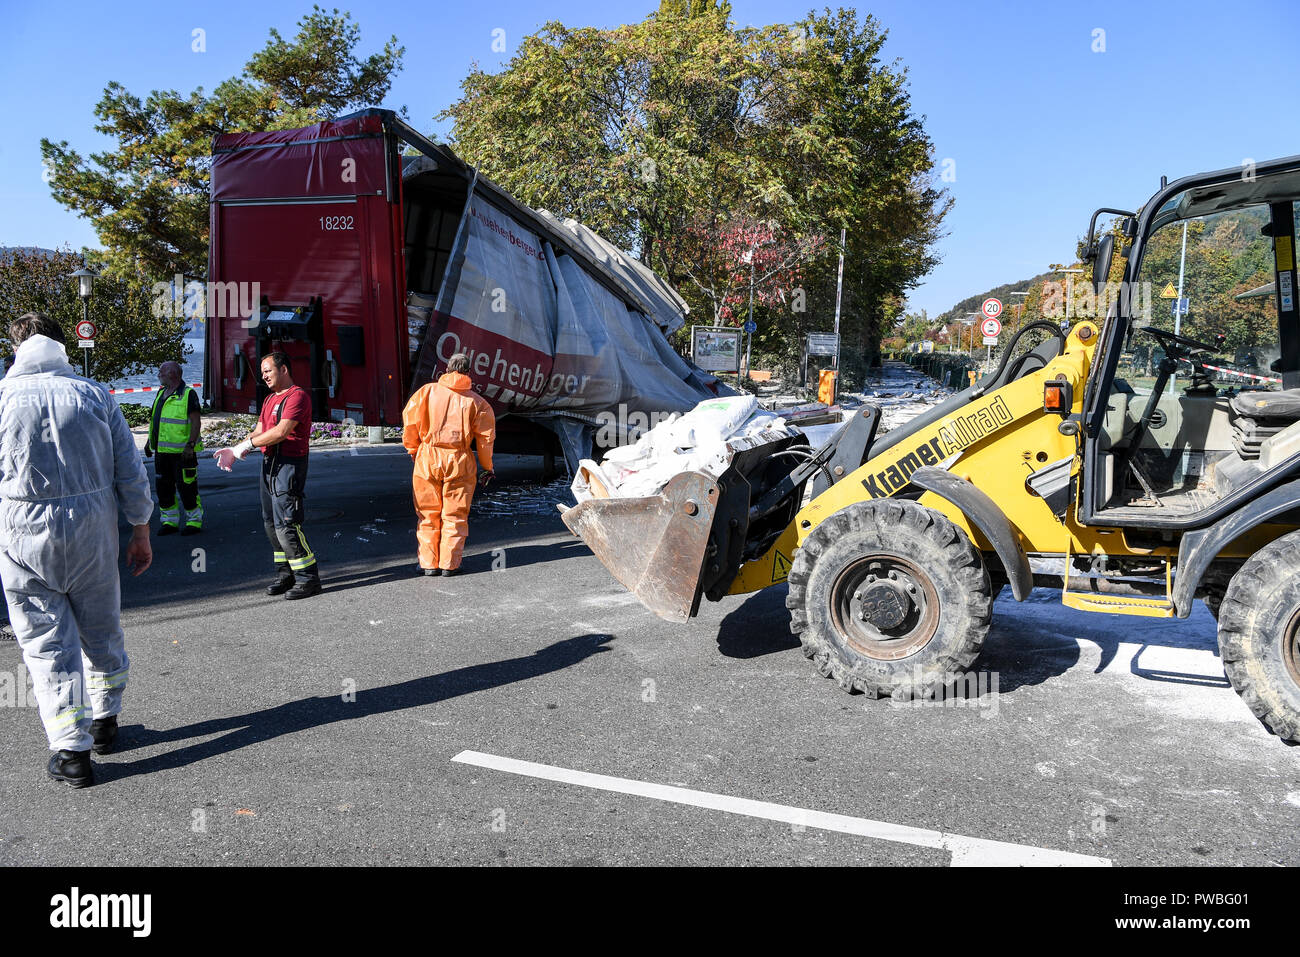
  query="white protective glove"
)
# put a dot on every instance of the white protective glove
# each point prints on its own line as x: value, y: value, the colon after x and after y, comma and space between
x: 226, y: 457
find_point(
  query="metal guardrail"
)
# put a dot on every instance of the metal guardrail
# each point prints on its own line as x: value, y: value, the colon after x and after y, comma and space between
x: 950, y: 370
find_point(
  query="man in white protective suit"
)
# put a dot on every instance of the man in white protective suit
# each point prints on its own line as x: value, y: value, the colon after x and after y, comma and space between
x: 68, y: 462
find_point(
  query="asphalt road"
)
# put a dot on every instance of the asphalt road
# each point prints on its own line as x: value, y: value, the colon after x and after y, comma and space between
x: 258, y: 731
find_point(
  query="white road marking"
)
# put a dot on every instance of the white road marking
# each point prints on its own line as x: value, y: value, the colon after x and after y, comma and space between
x: 966, y: 851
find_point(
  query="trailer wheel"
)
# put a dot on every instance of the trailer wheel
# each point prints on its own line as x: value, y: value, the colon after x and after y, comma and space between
x: 889, y: 598
x: 1259, y: 635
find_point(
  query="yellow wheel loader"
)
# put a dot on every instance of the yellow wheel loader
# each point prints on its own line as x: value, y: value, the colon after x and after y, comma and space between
x: 1129, y: 466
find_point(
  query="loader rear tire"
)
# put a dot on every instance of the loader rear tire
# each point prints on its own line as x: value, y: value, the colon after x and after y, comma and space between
x: 915, y: 576
x: 1259, y: 635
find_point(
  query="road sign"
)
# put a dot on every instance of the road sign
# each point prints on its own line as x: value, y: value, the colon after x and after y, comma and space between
x: 751, y: 326
x: 86, y: 329
x: 716, y: 348
x: 1179, y: 307
x: 86, y: 343
x: 991, y: 327
x: 1169, y: 292
x: 991, y: 308
x: 822, y: 343
x: 990, y: 340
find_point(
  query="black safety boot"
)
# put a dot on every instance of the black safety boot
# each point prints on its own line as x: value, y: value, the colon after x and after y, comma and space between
x: 429, y: 572
x: 448, y: 572
x: 72, y: 767
x: 281, y: 585
x: 304, y: 589
x: 104, y: 732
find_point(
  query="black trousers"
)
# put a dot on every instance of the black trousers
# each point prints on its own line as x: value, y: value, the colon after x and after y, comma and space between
x: 174, y: 474
x: 283, y: 481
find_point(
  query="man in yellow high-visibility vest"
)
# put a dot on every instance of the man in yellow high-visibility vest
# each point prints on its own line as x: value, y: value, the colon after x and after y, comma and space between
x: 174, y: 428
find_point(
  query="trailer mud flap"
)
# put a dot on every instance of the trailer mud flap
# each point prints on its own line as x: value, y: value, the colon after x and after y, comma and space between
x: 655, y: 545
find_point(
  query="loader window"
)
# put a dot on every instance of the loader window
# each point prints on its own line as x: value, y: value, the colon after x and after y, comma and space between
x: 1226, y: 267
x: 1204, y: 285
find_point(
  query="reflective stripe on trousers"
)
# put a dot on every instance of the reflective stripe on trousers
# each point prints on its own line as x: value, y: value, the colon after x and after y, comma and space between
x: 281, y: 491
x: 174, y: 477
x: 71, y: 639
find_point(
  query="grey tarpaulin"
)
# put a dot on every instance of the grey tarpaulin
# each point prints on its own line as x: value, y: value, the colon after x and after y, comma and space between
x: 559, y: 325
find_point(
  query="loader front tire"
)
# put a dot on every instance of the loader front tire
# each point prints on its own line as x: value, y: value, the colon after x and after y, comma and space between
x: 1259, y: 635
x: 889, y: 598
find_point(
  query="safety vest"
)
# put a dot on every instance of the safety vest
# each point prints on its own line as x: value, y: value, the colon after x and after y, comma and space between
x: 170, y: 432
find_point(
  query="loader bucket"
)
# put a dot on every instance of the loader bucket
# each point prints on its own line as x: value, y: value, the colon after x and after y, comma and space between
x: 654, y: 545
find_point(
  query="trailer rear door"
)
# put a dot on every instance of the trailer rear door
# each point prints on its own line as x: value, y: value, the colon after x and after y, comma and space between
x: 306, y: 220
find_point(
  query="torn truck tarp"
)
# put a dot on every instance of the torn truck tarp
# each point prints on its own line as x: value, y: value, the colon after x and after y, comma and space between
x: 544, y: 336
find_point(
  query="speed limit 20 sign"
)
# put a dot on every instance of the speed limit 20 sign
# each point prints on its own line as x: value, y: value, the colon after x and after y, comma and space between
x: 991, y: 326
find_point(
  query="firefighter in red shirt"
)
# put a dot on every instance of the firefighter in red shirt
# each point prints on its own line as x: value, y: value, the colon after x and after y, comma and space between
x: 283, y: 434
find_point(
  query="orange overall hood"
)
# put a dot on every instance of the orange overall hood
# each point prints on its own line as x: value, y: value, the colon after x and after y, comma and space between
x: 456, y: 381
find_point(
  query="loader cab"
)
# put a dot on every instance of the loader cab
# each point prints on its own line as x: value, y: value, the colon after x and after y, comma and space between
x: 1193, y: 406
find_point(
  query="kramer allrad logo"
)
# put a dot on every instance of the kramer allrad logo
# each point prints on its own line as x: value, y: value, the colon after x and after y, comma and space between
x: 952, y: 435
x: 73, y: 910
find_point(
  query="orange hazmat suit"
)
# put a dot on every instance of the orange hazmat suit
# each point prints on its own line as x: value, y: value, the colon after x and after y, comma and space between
x: 438, y: 424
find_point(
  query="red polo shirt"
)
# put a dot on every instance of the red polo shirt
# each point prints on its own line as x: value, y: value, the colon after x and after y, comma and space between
x: 297, y: 406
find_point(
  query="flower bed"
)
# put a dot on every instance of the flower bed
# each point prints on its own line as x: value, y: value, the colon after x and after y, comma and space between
x: 233, y: 429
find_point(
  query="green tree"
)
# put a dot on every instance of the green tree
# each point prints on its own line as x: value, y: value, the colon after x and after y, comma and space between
x: 719, y: 10
x: 130, y: 339
x: 147, y: 197
x: 670, y: 135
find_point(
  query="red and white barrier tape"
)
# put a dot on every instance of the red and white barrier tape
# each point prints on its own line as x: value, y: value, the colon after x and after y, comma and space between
x: 1247, y: 375
x: 149, y: 388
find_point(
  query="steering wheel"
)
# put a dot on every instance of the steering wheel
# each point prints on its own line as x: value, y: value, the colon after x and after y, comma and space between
x: 1168, y: 338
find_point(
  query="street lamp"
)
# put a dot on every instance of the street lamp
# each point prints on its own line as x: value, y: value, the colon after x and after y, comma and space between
x: 970, y: 321
x: 1069, y: 290
x: 85, y: 279
x: 1020, y: 306
x: 750, y: 258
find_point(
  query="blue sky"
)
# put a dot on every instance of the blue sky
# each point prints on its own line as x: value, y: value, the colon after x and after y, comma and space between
x: 1039, y: 128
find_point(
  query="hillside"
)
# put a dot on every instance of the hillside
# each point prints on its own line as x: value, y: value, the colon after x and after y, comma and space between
x: 7, y: 252
x: 972, y: 303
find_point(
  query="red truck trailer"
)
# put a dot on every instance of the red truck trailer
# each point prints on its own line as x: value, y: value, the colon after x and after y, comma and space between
x: 370, y: 255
